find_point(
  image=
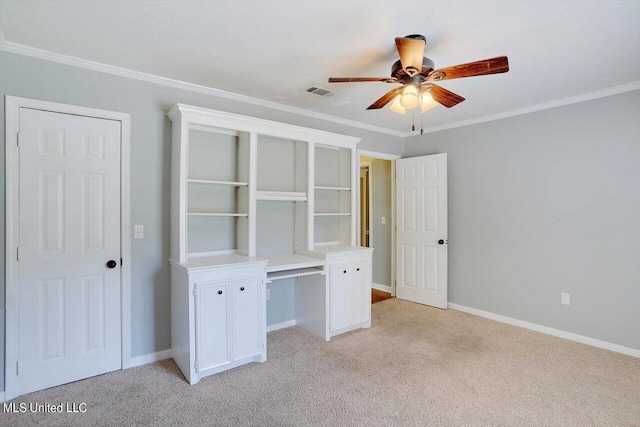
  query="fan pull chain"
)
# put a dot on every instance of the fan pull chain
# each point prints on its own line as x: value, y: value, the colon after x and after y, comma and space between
x: 413, y: 122
x: 421, y: 124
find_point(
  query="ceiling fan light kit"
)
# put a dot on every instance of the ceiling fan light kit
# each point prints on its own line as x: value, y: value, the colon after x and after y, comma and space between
x: 416, y: 73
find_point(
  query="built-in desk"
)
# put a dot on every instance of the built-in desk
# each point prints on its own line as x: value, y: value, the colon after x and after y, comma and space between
x: 311, y: 292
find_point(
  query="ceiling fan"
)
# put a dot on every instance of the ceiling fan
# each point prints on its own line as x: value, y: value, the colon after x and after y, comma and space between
x: 416, y: 73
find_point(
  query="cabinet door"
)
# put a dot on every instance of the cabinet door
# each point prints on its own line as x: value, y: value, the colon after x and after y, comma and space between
x: 339, y: 297
x: 360, y: 292
x: 246, y: 317
x: 212, y: 324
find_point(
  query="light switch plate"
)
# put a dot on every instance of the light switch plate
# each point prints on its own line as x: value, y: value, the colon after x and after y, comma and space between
x: 138, y: 231
x: 565, y: 299
x: 384, y: 220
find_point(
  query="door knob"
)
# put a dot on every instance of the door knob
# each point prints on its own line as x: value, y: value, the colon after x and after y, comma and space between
x: 111, y: 264
x: 242, y: 288
x: 441, y: 242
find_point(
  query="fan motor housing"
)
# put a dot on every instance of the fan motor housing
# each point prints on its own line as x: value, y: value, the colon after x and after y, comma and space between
x: 398, y: 72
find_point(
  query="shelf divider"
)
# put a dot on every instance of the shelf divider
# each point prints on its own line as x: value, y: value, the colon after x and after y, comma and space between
x: 217, y: 214
x: 207, y: 181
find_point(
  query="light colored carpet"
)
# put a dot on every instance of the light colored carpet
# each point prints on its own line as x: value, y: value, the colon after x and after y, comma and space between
x: 416, y: 366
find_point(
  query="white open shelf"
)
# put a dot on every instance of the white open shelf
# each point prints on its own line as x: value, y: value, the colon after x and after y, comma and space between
x: 217, y: 214
x: 317, y: 187
x: 332, y: 214
x: 287, y: 196
x: 206, y: 181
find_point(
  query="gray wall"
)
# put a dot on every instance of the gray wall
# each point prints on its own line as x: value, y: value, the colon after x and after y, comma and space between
x: 381, y: 207
x: 545, y: 203
x: 150, y: 169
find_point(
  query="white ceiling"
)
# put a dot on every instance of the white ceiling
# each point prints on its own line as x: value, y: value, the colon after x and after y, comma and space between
x: 272, y: 50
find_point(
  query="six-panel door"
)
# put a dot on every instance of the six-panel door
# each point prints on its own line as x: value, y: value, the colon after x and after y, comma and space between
x: 246, y: 317
x: 212, y: 324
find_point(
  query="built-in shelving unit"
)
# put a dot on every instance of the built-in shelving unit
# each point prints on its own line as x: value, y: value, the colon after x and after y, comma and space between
x: 334, y: 200
x: 251, y: 200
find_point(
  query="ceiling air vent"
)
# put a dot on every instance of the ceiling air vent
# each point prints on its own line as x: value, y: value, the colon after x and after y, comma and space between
x: 320, y: 91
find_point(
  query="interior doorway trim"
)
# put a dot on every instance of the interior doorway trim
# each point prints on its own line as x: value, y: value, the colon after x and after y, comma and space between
x: 12, y: 126
x: 392, y: 158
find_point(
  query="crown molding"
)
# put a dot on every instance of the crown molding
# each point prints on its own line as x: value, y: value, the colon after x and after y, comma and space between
x: 602, y: 93
x: 19, y: 49
x: 178, y: 84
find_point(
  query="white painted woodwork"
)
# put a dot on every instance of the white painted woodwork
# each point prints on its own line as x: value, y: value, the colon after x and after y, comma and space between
x: 218, y: 302
x: 360, y: 291
x: 246, y: 319
x: 340, y: 296
x: 212, y: 324
x: 69, y: 227
x: 421, y: 212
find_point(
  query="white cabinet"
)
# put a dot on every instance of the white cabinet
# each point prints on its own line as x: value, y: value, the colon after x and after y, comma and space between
x: 349, y: 288
x: 246, y: 320
x: 212, y: 325
x: 218, y: 314
x: 251, y: 196
x: 360, y: 282
x: 339, y: 297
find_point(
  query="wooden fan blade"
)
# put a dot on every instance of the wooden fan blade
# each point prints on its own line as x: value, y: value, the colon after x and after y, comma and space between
x: 411, y: 51
x: 362, y: 79
x: 478, y: 68
x: 384, y: 100
x: 445, y: 97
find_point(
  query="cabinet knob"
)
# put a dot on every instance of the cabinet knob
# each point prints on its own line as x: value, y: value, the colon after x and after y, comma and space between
x: 242, y: 288
x: 345, y: 271
x: 357, y: 269
x: 219, y: 292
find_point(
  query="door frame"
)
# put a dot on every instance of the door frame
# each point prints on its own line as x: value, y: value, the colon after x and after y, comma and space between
x: 369, y: 167
x: 392, y: 158
x: 12, y: 125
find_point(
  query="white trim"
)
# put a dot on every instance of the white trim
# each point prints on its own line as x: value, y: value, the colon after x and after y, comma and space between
x: 12, y: 108
x: 369, y: 167
x: 145, y: 359
x: 602, y: 93
x: 549, y: 331
x: 19, y: 49
x: 383, y: 288
x: 32, y: 52
x: 392, y: 158
x: 282, y: 325
x: 378, y: 155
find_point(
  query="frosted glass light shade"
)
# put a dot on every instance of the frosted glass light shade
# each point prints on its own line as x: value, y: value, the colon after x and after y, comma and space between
x: 410, y: 97
x: 396, y: 106
x: 427, y: 102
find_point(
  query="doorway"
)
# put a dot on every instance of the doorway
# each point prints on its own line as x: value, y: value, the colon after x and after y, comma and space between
x: 376, y: 218
x: 68, y: 309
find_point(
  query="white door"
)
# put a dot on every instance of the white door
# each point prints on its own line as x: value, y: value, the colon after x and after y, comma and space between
x: 69, y: 230
x: 246, y: 317
x: 360, y: 292
x: 421, y: 237
x: 339, y: 297
x: 212, y: 325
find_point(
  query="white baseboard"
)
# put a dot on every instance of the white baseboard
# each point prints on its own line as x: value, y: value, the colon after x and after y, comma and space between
x: 382, y: 288
x: 276, y: 326
x: 150, y: 358
x: 549, y: 331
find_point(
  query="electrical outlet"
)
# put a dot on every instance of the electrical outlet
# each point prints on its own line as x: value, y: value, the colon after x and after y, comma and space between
x: 565, y: 299
x: 268, y: 294
x: 138, y: 231
x: 384, y: 220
